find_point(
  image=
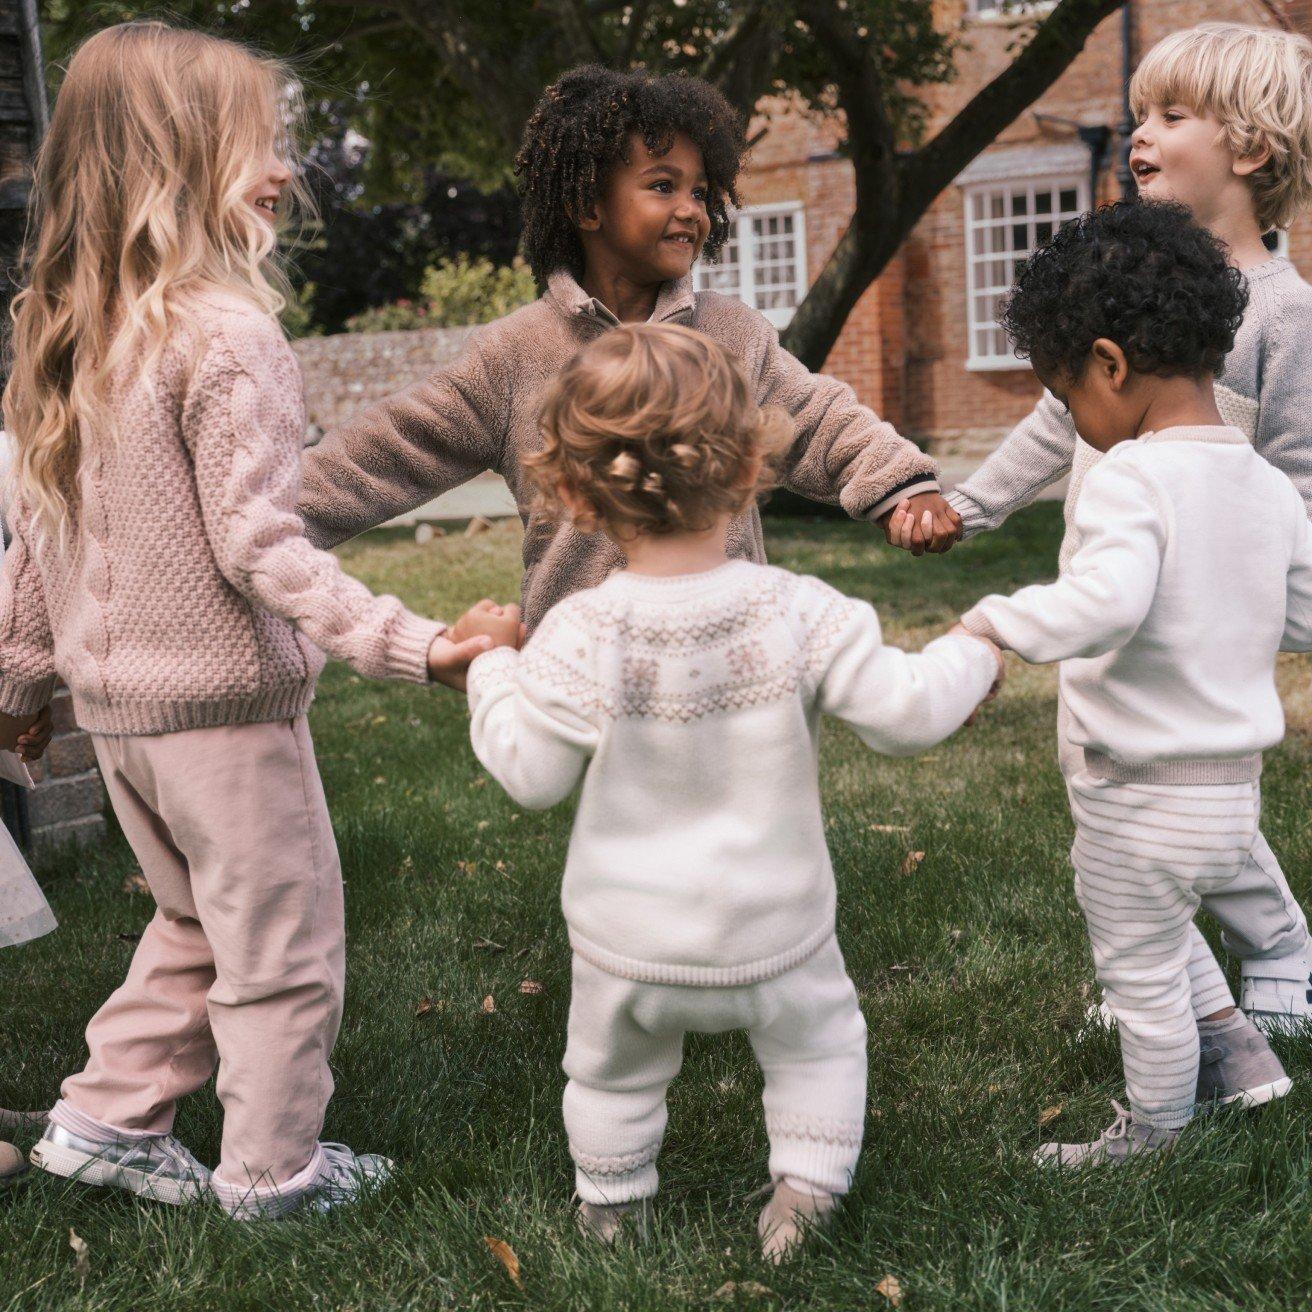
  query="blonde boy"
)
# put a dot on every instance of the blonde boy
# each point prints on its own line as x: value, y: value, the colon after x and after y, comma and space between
x: 1225, y: 128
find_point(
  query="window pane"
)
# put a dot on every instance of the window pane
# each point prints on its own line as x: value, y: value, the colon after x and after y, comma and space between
x: 1043, y: 203
x: 1069, y: 201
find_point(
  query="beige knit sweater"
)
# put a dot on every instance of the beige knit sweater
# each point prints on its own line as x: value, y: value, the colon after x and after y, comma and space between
x: 481, y: 413
x: 187, y: 594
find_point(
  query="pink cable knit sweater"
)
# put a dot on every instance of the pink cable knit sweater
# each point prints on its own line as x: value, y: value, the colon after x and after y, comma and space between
x: 187, y: 594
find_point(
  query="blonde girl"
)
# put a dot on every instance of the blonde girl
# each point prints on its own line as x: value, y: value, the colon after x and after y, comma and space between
x: 158, y: 566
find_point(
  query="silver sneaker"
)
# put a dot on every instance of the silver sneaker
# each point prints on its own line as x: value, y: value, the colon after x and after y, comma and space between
x: 342, y: 1178
x: 156, y: 1166
x: 1237, y: 1067
x: 606, y: 1221
x: 1122, y: 1139
x: 1276, y: 995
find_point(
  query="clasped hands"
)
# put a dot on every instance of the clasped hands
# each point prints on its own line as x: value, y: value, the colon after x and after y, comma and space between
x: 482, y: 627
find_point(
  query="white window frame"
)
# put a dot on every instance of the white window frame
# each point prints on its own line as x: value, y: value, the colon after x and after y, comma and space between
x: 998, y: 11
x: 745, y: 236
x: 1053, y: 182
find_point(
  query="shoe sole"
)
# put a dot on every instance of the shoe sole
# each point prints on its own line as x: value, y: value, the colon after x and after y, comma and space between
x: 1258, y: 1095
x: 88, y: 1169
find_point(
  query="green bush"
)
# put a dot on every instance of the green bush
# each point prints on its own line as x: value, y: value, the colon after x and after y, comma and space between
x: 455, y: 293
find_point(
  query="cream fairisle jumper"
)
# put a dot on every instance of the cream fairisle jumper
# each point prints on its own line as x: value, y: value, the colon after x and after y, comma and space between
x: 188, y: 595
x: 693, y: 704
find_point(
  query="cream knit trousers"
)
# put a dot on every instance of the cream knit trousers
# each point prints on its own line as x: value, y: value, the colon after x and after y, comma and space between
x: 626, y: 1045
x: 1146, y: 856
x: 1264, y: 920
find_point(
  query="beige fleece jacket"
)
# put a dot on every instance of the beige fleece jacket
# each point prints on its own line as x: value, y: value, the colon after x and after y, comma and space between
x: 481, y: 413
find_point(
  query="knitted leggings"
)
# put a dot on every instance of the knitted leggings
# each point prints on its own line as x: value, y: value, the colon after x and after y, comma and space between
x: 626, y: 1045
x: 1267, y: 925
x: 1145, y: 857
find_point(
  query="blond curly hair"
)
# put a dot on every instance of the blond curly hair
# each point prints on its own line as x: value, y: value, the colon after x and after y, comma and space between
x: 1257, y: 82
x: 652, y: 428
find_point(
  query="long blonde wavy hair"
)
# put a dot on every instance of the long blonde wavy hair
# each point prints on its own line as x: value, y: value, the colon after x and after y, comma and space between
x: 157, y: 137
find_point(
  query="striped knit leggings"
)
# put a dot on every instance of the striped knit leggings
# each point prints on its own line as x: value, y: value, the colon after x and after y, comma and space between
x: 1146, y: 856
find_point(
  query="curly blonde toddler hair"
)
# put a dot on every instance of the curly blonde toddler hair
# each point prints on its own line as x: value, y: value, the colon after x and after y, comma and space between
x: 652, y: 428
x: 1258, y: 82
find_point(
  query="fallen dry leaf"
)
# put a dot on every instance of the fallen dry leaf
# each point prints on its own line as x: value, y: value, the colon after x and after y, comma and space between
x: 504, y: 1254
x: 82, y: 1254
x: 487, y: 945
x: 380, y: 778
x: 752, y: 1288
x: 136, y: 884
x: 424, y: 1006
x: 531, y: 987
x: 1050, y: 1114
x: 890, y: 829
x: 489, y: 1005
x: 483, y: 824
x: 910, y: 862
x: 891, y: 1289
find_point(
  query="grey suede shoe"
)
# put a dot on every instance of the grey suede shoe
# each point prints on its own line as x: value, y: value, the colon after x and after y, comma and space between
x: 1276, y: 994
x: 1123, y: 1139
x: 789, y: 1217
x: 606, y: 1221
x: 1236, y: 1065
x: 12, y: 1165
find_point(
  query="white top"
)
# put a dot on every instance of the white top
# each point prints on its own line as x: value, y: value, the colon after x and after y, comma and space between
x: 691, y: 708
x: 1191, y: 569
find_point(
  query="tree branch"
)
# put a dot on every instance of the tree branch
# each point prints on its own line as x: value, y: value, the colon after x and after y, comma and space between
x: 1053, y: 48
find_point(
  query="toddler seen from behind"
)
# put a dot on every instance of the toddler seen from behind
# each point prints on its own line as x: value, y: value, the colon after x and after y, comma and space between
x: 686, y: 693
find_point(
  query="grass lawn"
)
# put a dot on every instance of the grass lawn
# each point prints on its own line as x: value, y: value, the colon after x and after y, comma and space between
x: 973, y: 972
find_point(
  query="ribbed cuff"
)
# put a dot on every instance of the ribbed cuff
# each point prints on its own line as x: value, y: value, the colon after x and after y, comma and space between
x: 603, y: 1180
x: 490, y: 670
x: 927, y: 484
x: 973, y: 519
x: 823, y: 1153
x: 976, y: 622
x: 18, y: 699
x: 407, y: 651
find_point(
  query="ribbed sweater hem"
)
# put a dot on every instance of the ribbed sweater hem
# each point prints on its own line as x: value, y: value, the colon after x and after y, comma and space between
x: 674, y: 972
x: 1221, y: 770
x: 19, y: 699
x: 407, y: 654
x: 116, y: 716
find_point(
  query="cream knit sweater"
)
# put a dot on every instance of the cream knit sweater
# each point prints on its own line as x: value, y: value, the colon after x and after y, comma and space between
x: 1191, y: 569
x: 691, y: 707
x: 187, y: 595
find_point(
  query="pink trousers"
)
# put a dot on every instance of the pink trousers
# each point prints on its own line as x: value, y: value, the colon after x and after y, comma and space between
x: 243, y: 963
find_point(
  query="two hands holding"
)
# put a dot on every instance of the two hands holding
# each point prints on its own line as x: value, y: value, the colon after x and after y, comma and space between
x: 479, y: 629
x: 28, y: 735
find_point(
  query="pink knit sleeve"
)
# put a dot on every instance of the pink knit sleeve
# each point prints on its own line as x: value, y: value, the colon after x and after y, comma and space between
x: 27, y: 647
x: 244, y: 423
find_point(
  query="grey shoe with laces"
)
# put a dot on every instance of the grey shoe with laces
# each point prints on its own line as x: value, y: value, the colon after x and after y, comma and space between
x: 155, y: 1166
x: 1122, y: 1139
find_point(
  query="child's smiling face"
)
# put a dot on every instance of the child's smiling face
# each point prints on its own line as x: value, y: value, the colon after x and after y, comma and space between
x: 651, y: 221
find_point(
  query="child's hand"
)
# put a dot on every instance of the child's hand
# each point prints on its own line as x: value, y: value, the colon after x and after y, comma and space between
x: 923, y: 523
x: 28, y: 735
x: 448, y: 661
x: 34, y: 740
x: 500, y: 623
x: 960, y: 629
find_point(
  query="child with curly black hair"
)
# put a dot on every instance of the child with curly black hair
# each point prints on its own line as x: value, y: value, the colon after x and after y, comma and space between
x: 1191, y: 569
x: 1225, y: 128
x: 627, y: 179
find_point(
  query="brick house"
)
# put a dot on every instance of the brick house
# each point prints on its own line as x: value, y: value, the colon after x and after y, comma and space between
x: 919, y: 347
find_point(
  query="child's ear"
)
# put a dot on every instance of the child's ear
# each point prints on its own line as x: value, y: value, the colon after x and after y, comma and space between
x: 588, y: 222
x: 1256, y: 160
x: 1110, y: 362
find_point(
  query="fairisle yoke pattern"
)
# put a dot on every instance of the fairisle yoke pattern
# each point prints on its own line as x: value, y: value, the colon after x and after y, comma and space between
x: 187, y: 595
x: 690, y: 707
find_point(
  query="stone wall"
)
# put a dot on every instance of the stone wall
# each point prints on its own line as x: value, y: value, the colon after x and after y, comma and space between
x: 348, y: 372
